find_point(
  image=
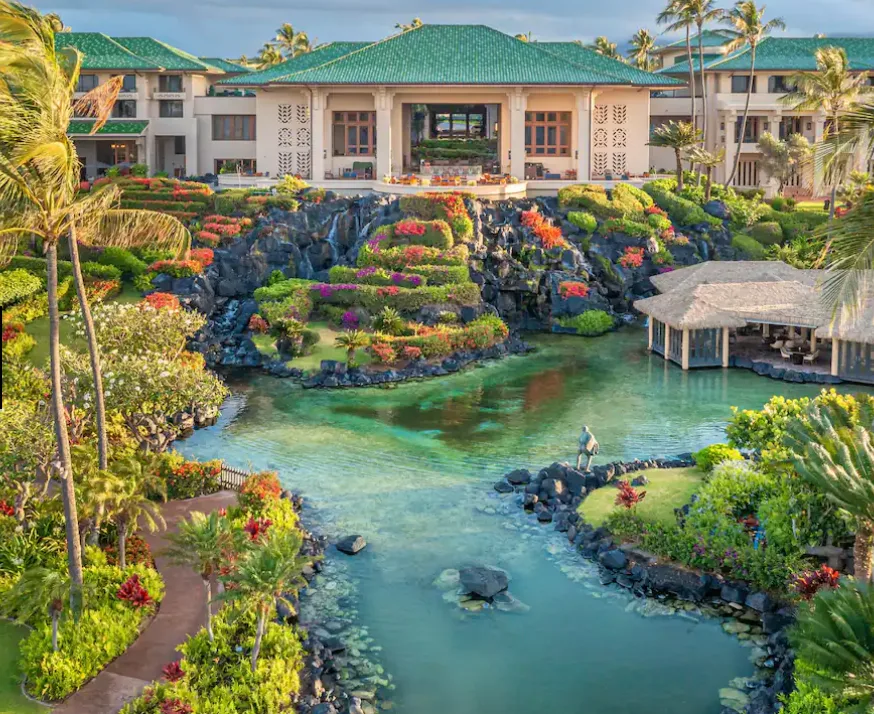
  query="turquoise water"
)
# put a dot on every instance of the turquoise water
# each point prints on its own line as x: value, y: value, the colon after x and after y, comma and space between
x: 411, y: 469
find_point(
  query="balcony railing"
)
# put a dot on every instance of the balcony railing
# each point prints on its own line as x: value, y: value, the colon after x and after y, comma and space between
x: 158, y: 94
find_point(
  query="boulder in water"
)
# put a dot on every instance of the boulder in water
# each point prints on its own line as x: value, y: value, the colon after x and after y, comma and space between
x: 351, y: 545
x: 483, y: 581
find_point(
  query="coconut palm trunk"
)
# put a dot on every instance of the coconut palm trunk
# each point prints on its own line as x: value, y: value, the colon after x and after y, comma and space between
x: 691, y: 72
x: 93, y: 353
x: 55, y: 608
x: 703, y: 85
x: 743, y: 123
x: 259, y: 635
x: 65, y: 466
x: 207, y: 591
x: 679, y: 170
x: 862, y: 551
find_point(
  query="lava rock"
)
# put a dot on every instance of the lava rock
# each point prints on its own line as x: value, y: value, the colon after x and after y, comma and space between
x: 613, y: 559
x: 483, y: 581
x: 519, y: 477
x: 503, y: 487
x: 760, y: 602
x: 734, y: 592
x: 351, y: 545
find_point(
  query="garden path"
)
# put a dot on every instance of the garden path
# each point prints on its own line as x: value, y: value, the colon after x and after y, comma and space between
x: 181, y: 614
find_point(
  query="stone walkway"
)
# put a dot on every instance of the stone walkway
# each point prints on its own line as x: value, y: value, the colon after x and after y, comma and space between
x: 181, y: 614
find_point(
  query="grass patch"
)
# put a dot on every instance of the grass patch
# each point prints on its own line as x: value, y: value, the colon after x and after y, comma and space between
x: 667, y: 489
x: 324, y: 349
x: 810, y: 206
x: 11, y: 699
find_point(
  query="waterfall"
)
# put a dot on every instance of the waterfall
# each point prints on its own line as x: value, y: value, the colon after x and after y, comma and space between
x: 332, y: 240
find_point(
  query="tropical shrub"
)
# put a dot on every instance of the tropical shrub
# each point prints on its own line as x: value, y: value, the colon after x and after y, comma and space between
x: 292, y: 185
x: 711, y: 456
x: 630, y: 228
x: 768, y: 233
x: 447, y: 207
x: 431, y: 234
x: 809, y: 583
x: 627, y: 497
x: 16, y: 342
x: 749, y: 247
x: 37, y: 266
x: 583, y: 220
x: 282, y: 289
x: 807, y: 698
x: 663, y: 257
x: 590, y: 198
x: 409, y: 256
x: 659, y: 222
x: 372, y: 275
x: 625, y: 201
x: 680, y: 210
x: 625, y: 193
x: 99, y: 270
x: 189, y: 479
x: 204, y: 256
x: 177, y: 268
x: 631, y: 258
x: 16, y: 285
x: 375, y: 298
x: 743, y: 212
x: 569, y: 289
x: 259, y: 491
x: 121, y: 258
x: 591, y: 323
x: 441, y: 340
x: 136, y: 552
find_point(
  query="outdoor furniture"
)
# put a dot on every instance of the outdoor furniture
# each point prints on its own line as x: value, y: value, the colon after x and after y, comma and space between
x: 785, y: 353
x: 363, y: 169
x: 777, y: 345
x: 797, y: 357
x: 811, y: 357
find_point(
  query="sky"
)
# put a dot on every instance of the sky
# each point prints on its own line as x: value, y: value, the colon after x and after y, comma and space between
x: 229, y: 28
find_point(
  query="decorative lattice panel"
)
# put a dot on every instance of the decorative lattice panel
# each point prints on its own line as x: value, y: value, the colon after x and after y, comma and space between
x: 619, y: 138
x: 293, y: 140
x: 600, y: 114
x: 618, y: 163
x: 599, y: 163
x: 600, y: 138
x: 620, y: 113
x: 609, y: 140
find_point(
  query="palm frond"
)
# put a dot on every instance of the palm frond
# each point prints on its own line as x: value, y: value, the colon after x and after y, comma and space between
x: 98, y: 103
x: 133, y: 228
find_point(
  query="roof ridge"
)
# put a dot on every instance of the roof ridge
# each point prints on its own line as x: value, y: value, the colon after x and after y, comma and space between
x: 170, y: 48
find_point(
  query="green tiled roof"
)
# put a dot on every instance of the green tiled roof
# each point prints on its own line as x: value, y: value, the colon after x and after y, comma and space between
x: 797, y: 54
x: 319, y: 56
x: 164, y: 55
x: 102, y: 52
x: 709, y: 38
x: 584, y: 57
x: 453, y: 54
x: 79, y: 127
x: 709, y: 61
x: 224, y: 65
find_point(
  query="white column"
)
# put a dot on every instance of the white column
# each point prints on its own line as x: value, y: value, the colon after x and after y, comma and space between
x: 151, y: 156
x: 383, y: 99
x: 584, y: 135
x: 836, y: 348
x: 318, y: 101
x: 730, y: 145
x: 686, y: 346
x: 818, y: 132
x: 518, y: 102
x: 650, y: 322
x: 725, y: 345
x: 192, y: 167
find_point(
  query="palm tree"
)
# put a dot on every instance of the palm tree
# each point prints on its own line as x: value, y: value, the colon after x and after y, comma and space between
x: 679, y: 136
x: 132, y: 506
x: 642, y: 46
x: 96, y: 490
x: 748, y: 29
x: 204, y: 543
x: 834, y: 451
x: 56, y: 23
x: 268, y: 56
x: 352, y: 340
x: 291, y: 42
x: 268, y: 574
x: 833, y: 90
x: 677, y: 17
x: 709, y: 160
x: 835, y: 635
x: 703, y: 12
x: 38, y: 590
x: 415, y: 24
x: 604, y: 47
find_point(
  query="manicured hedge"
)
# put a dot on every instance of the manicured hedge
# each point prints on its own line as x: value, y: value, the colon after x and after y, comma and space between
x: 483, y: 332
x: 625, y: 193
x: 100, y: 270
x: 401, y: 299
x: 584, y: 220
x: 591, y: 323
x: 411, y: 231
x: 768, y: 233
x: 635, y: 229
x: 37, y: 266
x: 375, y: 276
x: 448, y: 207
x: 403, y: 257
x: 180, y: 206
x: 590, y: 198
x: 17, y: 285
x: 748, y: 246
x: 124, y: 260
x: 281, y: 289
x: 797, y: 223
x: 681, y: 211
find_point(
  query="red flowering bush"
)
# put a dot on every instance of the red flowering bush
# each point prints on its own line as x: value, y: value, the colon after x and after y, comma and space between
x: 177, y: 268
x: 409, y: 228
x: 161, y: 301
x: 258, y: 324
x: 6, y: 509
x: 256, y: 528
x: 99, y: 290
x: 136, y: 552
x: 228, y: 230
x: 632, y: 258
x: 132, y: 591
x: 175, y: 706
x: 204, y: 256
x: 627, y: 496
x: 811, y: 582
x: 11, y: 330
x: 193, y: 478
x: 655, y: 211
x: 383, y: 353
x: 569, y: 289
x: 259, y: 490
x: 532, y: 218
x: 211, y: 239
x: 414, y: 254
x: 411, y: 352
x: 550, y: 236
x: 390, y: 290
x: 173, y: 672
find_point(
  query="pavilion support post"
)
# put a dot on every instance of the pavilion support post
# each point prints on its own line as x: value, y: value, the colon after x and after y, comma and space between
x: 666, y: 352
x: 584, y: 134
x: 518, y: 104
x: 791, y: 332
x: 766, y: 330
x: 649, y: 346
x: 686, y: 348
x: 813, y: 341
x: 725, y: 331
x: 836, y: 349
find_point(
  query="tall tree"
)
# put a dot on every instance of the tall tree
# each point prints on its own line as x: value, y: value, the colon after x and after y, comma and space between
x: 642, y: 46
x: 703, y: 12
x: 267, y: 575
x: 268, y: 56
x: 204, y: 543
x: 834, y: 451
x: 679, y: 136
x: 833, y: 90
x: 782, y: 160
x: 677, y: 17
x: 604, y: 47
x: 291, y: 42
x: 747, y: 29
x: 415, y: 24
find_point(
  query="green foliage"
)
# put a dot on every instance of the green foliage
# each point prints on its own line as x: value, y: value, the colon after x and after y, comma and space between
x: 750, y: 247
x: 101, y: 271
x: 681, y: 211
x: 411, y: 257
x: 663, y: 257
x: 291, y: 185
x: 277, y: 276
x: 628, y: 195
x: 16, y: 285
x: 18, y: 347
x: 340, y: 274
x: 809, y: 699
x: 123, y: 259
x: 767, y: 233
x: 634, y: 229
x: 281, y: 289
x: 374, y: 298
x: 713, y: 455
x: 441, y: 207
x: 590, y: 198
x: 153, y: 255
x: 483, y: 332
x: 591, y: 323
x: 437, y: 234
x: 797, y: 224
x: 583, y: 220
x: 658, y: 222
x: 744, y: 212
x: 389, y: 321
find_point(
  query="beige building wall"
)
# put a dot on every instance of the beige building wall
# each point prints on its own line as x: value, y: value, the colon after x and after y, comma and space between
x: 210, y: 150
x: 620, y: 132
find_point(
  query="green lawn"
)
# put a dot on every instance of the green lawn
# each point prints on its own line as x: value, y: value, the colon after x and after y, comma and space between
x: 11, y: 699
x: 667, y: 489
x: 809, y: 206
x: 324, y: 349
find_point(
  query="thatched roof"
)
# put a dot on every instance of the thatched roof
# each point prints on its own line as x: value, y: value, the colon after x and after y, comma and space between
x: 734, y: 304
x: 715, y: 272
x: 853, y: 325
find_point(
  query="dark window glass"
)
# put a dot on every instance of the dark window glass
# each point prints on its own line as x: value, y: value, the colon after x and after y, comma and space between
x: 170, y: 83
x: 125, y: 109
x: 87, y: 82
x: 179, y: 144
x: 170, y: 109
x: 740, y: 84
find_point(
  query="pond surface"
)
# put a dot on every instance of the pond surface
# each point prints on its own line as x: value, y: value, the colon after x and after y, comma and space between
x: 411, y: 469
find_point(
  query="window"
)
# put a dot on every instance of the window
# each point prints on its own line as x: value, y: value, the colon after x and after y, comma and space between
x: 170, y: 83
x: 170, y: 108
x: 87, y: 82
x: 125, y: 109
x: 233, y: 128
x: 753, y: 129
x: 740, y: 84
x: 458, y: 124
x: 779, y: 84
x: 246, y: 166
x: 354, y: 133
x: 790, y: 126
x: 548, y: 133
x: 179, y: 145
x: 130, y: 83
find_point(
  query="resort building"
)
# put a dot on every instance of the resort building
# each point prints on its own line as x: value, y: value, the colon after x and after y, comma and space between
x: 716, y: 313
x: 459, y: 101
x: 727, y: 80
